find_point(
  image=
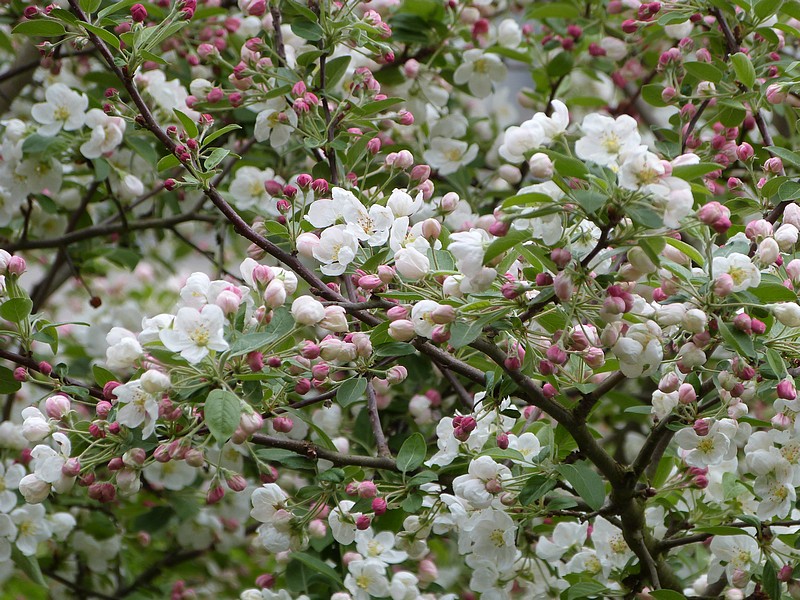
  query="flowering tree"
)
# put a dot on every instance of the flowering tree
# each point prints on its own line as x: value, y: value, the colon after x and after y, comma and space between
x: 311, y: 300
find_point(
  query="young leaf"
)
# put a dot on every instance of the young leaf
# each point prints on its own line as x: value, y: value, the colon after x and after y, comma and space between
x: 412, y: 453
x: 188, y: 124
x: 222, y: 411
x: 351, y: 391
x: 586, y: 482
x: 16, y: 310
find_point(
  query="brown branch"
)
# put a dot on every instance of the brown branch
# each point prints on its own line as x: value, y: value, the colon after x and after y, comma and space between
x: 315, y: 452
x: 29, y: 363
x: 375, y: 421
x: 276, y: 26
x: 466, y: 399
x: 104, y: 230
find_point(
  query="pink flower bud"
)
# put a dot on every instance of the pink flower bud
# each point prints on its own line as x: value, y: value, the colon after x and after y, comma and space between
x: 701, y: 427
x: 502, y: 440
x: 303, y: 386
x: 686, y: 394
x: 367, y: 489
x: 236, y: 482
x: 386, y: 273
x: 776, y: 94
x: 265, y: 581
x: 563, y: 286
x: 556, y: 355
x: 401, y: 330
x: 71, y: 467
x: 215, y: 494
x: 138, y: 13
x: 442, y: 314
x: 273, y: 187
x: 396, y: 374
x: 561, y: 256
x: 282, y: 424
x: 379, y: 506
x: 363, y: 522
x: 786, y: 389
x: 723, y: 285
x: 16, y: 265
x: 102, y: 492
x: 21, y: 374
x: 773, y: 165
x: 58, y: 406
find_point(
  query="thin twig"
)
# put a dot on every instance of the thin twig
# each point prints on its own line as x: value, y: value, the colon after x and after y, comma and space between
x: 315, y: 452
x: 375, y: 421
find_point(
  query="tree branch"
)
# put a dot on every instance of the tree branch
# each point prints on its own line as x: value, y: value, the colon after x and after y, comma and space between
x: 315, y: 452
x: 375, y: 421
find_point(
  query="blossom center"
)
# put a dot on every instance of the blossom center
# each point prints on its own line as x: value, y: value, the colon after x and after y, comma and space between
x: 363, y: 581
x: 375, y: 549
x: 498, y: 538
x: 61, y: 113
x: 200, y: 335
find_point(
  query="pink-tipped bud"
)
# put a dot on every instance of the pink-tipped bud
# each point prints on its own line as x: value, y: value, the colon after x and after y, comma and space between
x: 701, y: 427
x: 786, y: 389
x: 363, y: 522
x: 282, y: 424
x: 215, y: 494
x: 138, y: 13
x: 686, y: 394
x: 58, y: 406
x: 367, y: 489
x: 379, y: 506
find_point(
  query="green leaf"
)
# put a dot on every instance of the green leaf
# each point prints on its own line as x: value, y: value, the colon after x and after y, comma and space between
x: 220, y: 132
x: 16, y: 310
x: 412, y: 452
x: 351, y: 391
x: 688, y: 250
x: 745, y: 72
x: 786, y: 155
x: 720, y: 530
x: 693, y: 171
x: 560, y: 64
x: 769, y: 292
x: 216, y: 157
x: 703, y: 71
x: 90, y: 6
x: 105, y: 35
x: 29, y: 565
x: 167, y: 162
x: 37, y: 144
x: 8, y: 385
x: 317, y: 566
x: 308, y: 30
x: 570, y: 167
x: 116, y: 7
x: 589, y: 200
x: 737, y: 340
x: 280, y: 325
x: 789, y: 190
x: 463, y: 333
x: 371, y: 108
x: 188, y: 124
x: 102, y: 376
x: 535, y: 488
x: 644, y: 215
x: 586, y: 482
x: 335, y: 70
x: 651, y: 93
x: 769, y: 581
x: 222, y: 411
x: 585, y: 589
x: 39, y: 28
x: 776, y: 363
x: 522, y: 199
x: 508, y: 241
